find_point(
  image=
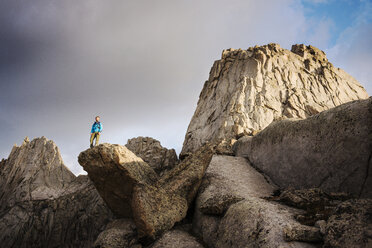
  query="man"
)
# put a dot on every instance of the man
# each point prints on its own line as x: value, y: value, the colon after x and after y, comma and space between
x: 95, y: 132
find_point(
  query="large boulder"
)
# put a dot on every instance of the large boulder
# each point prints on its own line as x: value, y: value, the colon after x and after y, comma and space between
x: 43, y: 204
x: 228, y: 180
x: 230, y: 210
x: 131, y: 188
x: 115, y: 171
x: 331, y: 150
x: 249, y: 89
x: 153, y: 153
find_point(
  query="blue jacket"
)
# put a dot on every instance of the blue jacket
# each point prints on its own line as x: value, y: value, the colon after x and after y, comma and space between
x: 96, y: 127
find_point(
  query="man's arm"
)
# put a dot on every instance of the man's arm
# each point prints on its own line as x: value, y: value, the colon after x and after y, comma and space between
x: 100, y: 127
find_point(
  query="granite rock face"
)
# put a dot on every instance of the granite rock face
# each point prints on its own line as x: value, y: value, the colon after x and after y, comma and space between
x: 331, y: 150
x: 42, y: 204
x: 249, y: 89
x: 153, y: 153
x: 132, y: 189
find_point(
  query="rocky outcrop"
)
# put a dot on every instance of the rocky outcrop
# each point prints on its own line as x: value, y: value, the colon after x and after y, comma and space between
x: 158, y: 207
x: 231, y: 212
x: 159, y: 158
x: 43, y: 204
x: 33, y: 171
x: 131, y: 188
x: 331, y: 150
x: 249, y: 89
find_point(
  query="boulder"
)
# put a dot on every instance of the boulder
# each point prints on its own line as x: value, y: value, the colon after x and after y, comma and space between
x: 249, y: 89
x: 229, y: 180
x: 177, y: 239
x: 157, y: 208
x: 230, y: 210
x: 159, y: 158
x: 115, y: 170
x: 43, y: 204
x: 255, y: 222
x: 120, y: 233
x: 131, y: 188
x: 331, y: 150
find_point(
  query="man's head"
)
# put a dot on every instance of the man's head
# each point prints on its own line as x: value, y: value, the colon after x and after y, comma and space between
x: 97, y: 118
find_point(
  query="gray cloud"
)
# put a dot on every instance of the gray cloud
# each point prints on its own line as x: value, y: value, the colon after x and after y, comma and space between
x: 139, y: 64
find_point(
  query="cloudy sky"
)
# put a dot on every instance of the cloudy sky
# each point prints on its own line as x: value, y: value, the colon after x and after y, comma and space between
x: 141, y: 65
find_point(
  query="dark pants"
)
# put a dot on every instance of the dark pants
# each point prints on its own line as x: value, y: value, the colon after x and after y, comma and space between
x: 92, y: 137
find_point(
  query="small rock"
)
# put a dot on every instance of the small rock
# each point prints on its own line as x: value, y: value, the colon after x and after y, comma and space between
x: 302, y: 233
x: 321, y: 224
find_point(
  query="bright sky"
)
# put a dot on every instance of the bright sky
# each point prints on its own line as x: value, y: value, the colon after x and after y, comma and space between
x: 141, y: 65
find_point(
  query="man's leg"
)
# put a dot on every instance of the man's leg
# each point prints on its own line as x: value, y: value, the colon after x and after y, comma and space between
x: 97, y: 138
x: 91, y: 139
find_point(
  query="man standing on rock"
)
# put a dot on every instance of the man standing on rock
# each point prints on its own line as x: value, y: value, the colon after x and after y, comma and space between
x: 95, y: 132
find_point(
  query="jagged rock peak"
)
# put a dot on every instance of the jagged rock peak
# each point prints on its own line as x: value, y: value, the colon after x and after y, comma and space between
x: 249, y: 89
x: 41, y: 201
x: 272, y: 48
x: 34, y: 170
x: 309, y: 52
